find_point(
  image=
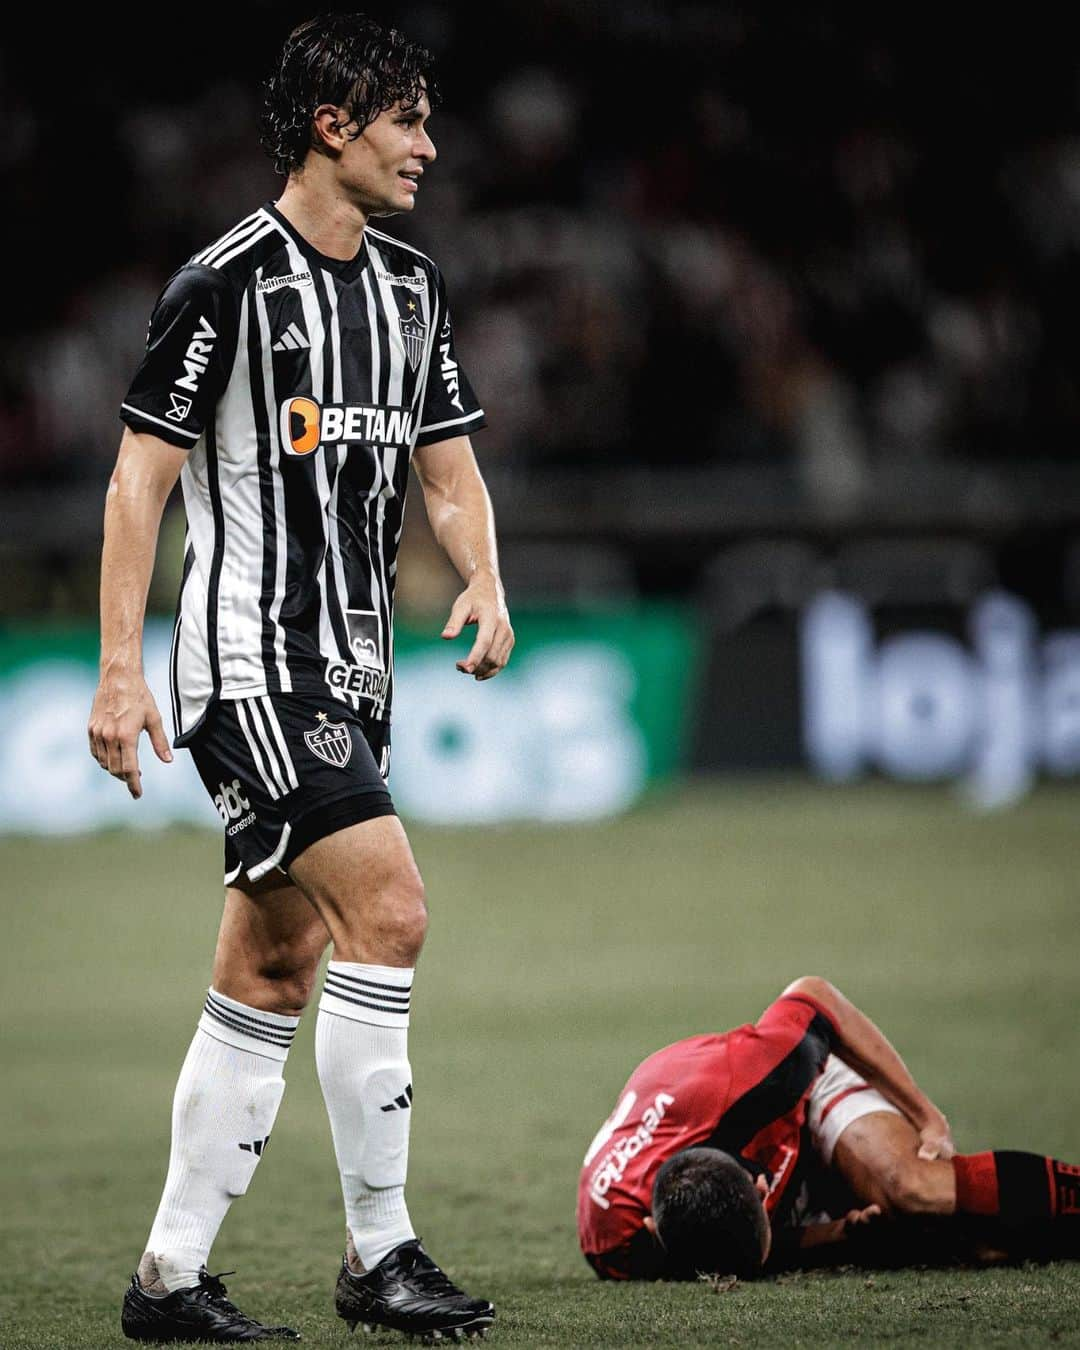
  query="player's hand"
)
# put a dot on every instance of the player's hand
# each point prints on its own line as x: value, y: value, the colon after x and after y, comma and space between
x: 482, y: 602
x: 935, y: 1138
x: 856, y: 1218
x: 123, y: 708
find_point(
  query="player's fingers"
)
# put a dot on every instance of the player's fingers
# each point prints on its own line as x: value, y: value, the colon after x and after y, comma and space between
x: 158, y: 739
x: 98, y: 750
x: 459, y: 617
x: 479, y: 654
x: 129, y: 761
x: 114, y: 758
x: 499, y: 655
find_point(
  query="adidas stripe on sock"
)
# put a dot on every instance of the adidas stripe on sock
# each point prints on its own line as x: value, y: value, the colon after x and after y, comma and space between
x: 263, y: 1033
x: 378, y: 995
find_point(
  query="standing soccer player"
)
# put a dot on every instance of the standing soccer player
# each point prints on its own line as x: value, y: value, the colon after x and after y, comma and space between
x: 294, y: 368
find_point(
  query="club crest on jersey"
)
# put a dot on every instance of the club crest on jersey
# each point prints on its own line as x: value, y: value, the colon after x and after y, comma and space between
x: 330, y: 741
x: 366, y: 674
x: 305, y: 425
x: 413, y: 333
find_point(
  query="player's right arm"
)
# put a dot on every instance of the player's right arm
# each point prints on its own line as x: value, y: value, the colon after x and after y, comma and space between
x: 146, y: 470
x: 862, y: 1046
x: 190, y: 345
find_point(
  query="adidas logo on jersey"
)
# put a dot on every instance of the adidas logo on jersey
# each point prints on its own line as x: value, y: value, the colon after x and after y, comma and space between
x: 292, y: 340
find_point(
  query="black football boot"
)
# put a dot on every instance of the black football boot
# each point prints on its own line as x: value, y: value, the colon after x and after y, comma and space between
x: 408, y: 1292
x: 199, y: 1314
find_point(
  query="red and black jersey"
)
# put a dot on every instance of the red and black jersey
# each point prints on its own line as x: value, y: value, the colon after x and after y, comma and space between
x: 743, y: 1091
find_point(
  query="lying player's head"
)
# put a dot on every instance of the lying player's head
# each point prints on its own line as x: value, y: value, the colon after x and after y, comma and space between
x: 345, y: 61
x: 709, y: 1215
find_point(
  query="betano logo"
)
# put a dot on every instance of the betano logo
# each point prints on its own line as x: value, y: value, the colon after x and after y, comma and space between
x: 305, y: 425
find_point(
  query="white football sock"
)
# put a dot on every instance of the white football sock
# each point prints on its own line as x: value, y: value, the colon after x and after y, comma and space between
x: 227, y: 1097
x: 361, y: 1051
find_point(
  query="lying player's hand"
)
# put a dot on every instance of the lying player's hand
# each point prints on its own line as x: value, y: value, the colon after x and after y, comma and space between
x: 935, y: 1139
x: 855, y: 1218
x: 123, y: 707
x: 482, y: 603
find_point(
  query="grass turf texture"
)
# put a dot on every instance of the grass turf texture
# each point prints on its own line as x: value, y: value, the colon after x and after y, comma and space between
x: 556, y: 959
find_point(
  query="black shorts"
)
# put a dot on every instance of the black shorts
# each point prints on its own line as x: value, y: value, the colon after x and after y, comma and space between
x: 287, y: 769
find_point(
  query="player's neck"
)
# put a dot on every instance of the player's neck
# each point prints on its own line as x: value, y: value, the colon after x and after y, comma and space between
x: 330, y: 222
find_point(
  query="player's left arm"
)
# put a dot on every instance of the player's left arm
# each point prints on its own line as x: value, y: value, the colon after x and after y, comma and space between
x: 860, y: 1044
x: 463, y: 522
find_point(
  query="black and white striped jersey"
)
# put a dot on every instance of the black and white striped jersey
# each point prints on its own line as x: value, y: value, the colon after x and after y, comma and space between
x: 301, y: 385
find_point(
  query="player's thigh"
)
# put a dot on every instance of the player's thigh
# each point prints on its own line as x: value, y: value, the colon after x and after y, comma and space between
x: 269, y: 945
x: 877, y: 1155
x: 365, y: 883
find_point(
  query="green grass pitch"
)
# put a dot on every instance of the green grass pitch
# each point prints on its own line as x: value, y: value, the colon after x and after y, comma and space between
x: 556, y: 959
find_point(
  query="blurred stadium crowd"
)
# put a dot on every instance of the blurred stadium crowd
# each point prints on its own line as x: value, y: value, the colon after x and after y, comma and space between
x: 679, y: 237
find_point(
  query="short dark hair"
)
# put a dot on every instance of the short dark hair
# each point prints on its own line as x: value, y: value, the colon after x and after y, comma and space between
x: 346, y: 60
x: 709, y: 1217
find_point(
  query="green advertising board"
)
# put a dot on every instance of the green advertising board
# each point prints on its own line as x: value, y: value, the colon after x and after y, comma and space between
x: 592, y: 711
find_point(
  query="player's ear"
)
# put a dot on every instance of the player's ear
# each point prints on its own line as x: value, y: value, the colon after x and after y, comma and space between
x: 329, y: 124
x: 650, y: 1225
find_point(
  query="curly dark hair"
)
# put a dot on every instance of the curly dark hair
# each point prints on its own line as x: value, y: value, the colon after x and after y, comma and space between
x: 709, y: 1218
x: 344, y: 59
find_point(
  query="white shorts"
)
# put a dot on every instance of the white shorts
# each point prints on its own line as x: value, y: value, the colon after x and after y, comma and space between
x: 839, y: 1097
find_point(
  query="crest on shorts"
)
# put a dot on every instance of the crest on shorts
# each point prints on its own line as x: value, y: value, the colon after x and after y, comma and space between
x: 413, y: 332
x: 331, y: 741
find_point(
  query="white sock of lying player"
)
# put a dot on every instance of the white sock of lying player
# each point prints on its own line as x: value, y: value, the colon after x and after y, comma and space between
x: 361, y: 1051
x: 227, y: 1097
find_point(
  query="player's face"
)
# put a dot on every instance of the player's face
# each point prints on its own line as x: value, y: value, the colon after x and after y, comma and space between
x: 382, y: 168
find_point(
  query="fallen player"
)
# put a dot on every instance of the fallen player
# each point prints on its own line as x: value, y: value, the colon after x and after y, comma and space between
x: 792, y: 1141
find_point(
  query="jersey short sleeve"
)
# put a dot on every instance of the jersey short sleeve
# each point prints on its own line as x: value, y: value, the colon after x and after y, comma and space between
x: 774, y: 1063
x: 190, y: 347
x: 450, y: 407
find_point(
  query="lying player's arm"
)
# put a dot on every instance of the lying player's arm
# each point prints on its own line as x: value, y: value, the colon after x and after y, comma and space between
x: 818, y: 1245
x: 813, y: 1235
x: 146, y: 470
x: 463, y: 522
x: 862, y: 1046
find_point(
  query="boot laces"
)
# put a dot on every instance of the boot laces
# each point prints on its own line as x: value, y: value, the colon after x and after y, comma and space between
x: 212, y: 1291
x: 429, y: 1279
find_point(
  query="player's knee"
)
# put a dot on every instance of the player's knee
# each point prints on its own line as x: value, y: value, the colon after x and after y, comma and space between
x: 911, y: 1187
x: 404, y: 919
x: 287, y: 975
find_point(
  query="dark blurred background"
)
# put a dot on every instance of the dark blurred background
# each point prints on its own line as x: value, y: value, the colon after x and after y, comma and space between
x: 762, y: 303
